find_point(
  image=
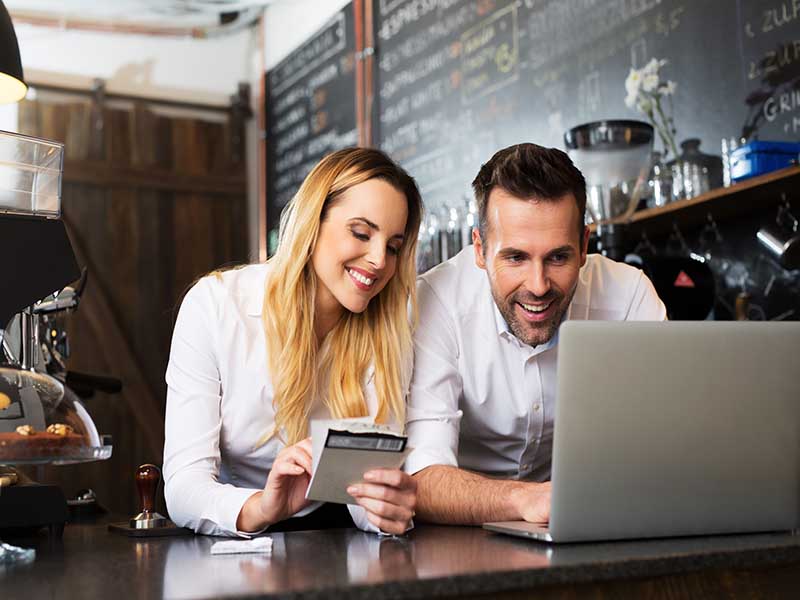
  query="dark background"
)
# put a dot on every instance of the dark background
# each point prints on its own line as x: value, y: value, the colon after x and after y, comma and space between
x: 456, y: 80
x: 311, y: 109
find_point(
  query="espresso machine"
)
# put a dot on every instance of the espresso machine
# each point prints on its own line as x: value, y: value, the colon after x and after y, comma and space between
x: 42, y: 420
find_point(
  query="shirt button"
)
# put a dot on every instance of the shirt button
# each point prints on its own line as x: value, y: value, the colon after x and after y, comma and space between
x: 536, y: 407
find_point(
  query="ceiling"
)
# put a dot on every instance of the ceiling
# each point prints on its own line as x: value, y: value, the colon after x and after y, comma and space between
x: 154, y: 13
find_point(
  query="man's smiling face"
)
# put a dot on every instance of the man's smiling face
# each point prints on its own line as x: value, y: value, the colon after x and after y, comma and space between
x: 532, y: 254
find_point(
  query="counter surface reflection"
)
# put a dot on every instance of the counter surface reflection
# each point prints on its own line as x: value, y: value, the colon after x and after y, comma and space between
x: 432, y: 561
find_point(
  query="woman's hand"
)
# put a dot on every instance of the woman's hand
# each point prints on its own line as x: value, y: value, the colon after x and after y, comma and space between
x: 389, y: 497
x: 285, y: 491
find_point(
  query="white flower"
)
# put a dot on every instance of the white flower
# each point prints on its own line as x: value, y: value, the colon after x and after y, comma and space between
x: 644, y: 93
x: 652, y: 67
x: 633, y: 82
x: 650, y: 82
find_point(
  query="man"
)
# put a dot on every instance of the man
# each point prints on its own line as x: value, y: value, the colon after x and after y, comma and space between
x: 483, y: 394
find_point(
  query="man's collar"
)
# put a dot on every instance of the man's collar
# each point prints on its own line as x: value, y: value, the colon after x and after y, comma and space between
x: 503, y: 330
x: 500, y: 322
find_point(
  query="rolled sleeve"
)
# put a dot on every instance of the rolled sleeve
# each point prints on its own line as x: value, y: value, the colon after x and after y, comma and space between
x: 194, y: 496
x: 433, y: 418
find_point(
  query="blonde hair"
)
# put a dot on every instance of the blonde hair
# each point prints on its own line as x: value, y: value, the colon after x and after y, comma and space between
x: 380, y: 336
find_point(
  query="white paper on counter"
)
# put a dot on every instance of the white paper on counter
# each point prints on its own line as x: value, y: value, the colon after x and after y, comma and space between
x: 257, y: 545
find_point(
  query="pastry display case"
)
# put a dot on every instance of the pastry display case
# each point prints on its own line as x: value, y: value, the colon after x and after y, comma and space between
x: 42, y: 421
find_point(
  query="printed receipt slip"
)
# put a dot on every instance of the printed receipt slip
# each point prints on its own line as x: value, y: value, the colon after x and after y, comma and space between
x: 343, y: 450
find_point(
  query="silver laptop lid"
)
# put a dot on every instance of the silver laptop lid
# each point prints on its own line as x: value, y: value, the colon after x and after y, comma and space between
x: 676, y: 428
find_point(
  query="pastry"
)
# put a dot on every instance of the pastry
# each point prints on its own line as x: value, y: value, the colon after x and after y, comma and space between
x: 26, y: 443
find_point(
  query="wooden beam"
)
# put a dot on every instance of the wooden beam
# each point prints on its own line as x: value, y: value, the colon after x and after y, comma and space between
x: 102, y: 174
x: 66, y: 22
x: 261, y: 153
x: 369, y: 74
x: 358, y: 18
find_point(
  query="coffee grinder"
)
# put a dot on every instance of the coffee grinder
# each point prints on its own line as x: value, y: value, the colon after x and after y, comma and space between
x: 614, y: 157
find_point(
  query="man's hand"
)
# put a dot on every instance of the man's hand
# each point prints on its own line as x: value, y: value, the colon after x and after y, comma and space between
x: 532, y: 501
x: 389, y: 497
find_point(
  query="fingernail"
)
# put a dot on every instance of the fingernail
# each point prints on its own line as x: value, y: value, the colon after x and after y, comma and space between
x: 352, y: 490
x: 369, y: 475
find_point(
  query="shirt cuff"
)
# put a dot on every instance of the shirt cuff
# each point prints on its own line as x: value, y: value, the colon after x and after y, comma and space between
x: 237, y: 501
x: 422, y: 458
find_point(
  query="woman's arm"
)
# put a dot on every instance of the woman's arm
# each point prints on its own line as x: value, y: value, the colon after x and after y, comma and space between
x: 194, y: 496
x: 285, y: 491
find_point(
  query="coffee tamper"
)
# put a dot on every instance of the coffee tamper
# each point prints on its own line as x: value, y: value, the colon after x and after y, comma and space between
x: 148, y: 523
x: 147, y: 478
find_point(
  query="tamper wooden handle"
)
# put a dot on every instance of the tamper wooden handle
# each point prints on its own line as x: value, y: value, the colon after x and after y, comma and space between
x: 147, y: 478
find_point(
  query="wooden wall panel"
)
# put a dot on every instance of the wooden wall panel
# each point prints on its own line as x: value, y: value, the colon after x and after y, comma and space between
x: 144, y: 243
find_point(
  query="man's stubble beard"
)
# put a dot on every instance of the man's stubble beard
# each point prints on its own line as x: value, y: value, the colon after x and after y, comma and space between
x: 522, y: 330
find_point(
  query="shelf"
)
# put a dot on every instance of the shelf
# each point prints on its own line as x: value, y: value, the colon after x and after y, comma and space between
x: 746, y: 197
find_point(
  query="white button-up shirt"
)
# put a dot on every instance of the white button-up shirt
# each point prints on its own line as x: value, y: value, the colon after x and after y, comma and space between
x: 219, y: 405
x: 480, y: 398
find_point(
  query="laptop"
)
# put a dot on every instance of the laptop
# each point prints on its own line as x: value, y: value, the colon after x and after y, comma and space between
x: 673, y: 429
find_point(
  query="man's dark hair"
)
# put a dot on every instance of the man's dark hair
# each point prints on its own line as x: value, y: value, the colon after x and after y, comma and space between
x: 529, y: 171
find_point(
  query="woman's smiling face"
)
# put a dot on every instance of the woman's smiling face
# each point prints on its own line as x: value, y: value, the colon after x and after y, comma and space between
x: 358, y: 245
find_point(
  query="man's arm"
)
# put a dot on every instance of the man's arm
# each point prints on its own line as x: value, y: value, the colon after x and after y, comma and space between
x: 445, y: 493
x: 432, y: 414
x: 454, y: 496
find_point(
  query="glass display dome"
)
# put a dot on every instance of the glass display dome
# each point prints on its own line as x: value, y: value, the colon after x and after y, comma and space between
x: 43, y: 422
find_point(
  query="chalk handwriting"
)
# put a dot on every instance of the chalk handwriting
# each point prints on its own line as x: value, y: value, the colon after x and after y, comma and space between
x: 417, y: 43
x: 409, y: 13
x: 780, y: 15
x: 327, y: 43
x: 781, y: 104
x: 421, y: 69
x: 774, y: 61
x: 490, y: 54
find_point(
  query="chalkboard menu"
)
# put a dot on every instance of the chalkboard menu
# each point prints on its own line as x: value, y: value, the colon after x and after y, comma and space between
x: 311, y: 109
x: 457, y: 80
x: 769, y: 44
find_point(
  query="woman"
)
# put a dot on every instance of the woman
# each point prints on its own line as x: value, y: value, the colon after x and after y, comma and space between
x: 321, y: 330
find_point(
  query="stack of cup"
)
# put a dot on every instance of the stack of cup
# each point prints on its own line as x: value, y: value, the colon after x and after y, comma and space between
x: 728, y: 145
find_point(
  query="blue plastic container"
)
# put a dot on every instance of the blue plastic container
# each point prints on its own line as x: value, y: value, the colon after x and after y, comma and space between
x: 757, y: 158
